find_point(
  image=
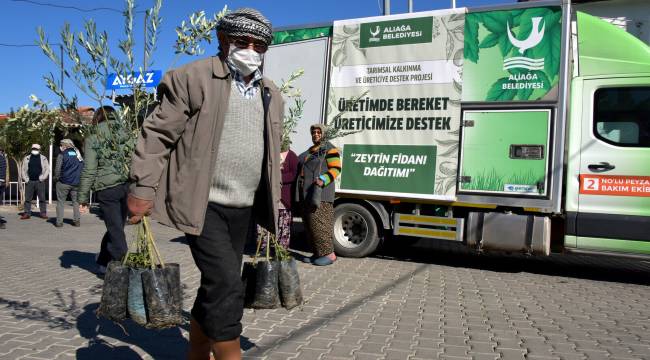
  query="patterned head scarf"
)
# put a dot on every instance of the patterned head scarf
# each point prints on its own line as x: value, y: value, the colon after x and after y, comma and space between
x: 246, y: 22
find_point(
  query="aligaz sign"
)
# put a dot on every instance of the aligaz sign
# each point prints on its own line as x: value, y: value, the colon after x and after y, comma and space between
x: 147, y: 79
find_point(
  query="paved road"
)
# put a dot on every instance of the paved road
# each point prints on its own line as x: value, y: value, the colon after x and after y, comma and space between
x: 402, y: 304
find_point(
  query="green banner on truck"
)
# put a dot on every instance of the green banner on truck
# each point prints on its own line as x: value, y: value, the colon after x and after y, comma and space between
x: 395, y: 89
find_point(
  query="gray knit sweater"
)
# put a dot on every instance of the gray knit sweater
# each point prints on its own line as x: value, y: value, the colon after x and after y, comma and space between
x: 240, y: 152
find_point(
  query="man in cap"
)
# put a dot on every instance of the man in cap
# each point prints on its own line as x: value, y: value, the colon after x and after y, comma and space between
x: 207, y: 162
x: 36, y: 169
x: 67, y: 174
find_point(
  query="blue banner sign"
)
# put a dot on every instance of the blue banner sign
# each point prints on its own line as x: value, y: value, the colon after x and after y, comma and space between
x: 147, y: 79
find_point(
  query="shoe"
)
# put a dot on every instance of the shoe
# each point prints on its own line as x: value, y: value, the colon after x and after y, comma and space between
x: 309, y: 260
x: 323, y: 261
x: 76, y: 223
x: 25, y: 217
x: 59, y: 225
x: 43, y: 216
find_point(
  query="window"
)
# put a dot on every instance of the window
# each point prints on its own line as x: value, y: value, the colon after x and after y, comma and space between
x: 622, y: 116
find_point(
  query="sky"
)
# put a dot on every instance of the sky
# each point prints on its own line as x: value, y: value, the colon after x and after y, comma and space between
x: 22, y: 68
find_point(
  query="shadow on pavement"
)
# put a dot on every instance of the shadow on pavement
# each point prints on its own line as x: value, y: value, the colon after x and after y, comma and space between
x: 24, y: 310
x: 160, y: 344
x: 180, y: 240
x: 66, y: 314
x: 80, y: 259
x: 574, y: 266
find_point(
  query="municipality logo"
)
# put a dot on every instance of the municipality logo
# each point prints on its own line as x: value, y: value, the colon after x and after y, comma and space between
x: 535, y: 37
x: 374, y: 34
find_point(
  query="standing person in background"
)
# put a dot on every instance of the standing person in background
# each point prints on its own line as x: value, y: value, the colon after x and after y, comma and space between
x: 3, y: 182
x: 319, y: 166
x: 67, y: 174
x: 207, y: 163
x: 289, y: 170
x: 36, y: 170
x: 109, y: 181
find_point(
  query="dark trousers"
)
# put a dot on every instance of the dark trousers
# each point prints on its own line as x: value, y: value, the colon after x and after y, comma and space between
x: 217, y: 252
x: 37, y: 187
x: 112, y: 201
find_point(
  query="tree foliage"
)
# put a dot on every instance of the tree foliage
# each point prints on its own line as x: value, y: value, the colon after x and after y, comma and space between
x: 190, y: 34
x: 91, y: 60
x: 295, y: 111
x: 27, y: 126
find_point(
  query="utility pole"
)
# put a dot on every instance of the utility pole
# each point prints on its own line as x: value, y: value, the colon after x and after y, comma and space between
x: 51, y: 148
x: 62, y: 70
x: 453, y: 4
x: 386, y: 7
x: 144, y: 43
x: 410, y: 2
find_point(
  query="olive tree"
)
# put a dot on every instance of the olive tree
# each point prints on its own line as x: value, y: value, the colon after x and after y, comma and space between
x: 91, y: 59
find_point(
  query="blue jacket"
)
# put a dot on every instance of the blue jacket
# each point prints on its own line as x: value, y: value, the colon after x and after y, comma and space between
x: 68, y: 167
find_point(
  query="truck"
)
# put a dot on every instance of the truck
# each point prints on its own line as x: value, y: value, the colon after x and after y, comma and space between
x: 521, y: 128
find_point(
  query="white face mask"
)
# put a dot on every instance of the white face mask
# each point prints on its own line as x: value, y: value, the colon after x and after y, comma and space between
x: 35, y: 152
x: 245, y: 60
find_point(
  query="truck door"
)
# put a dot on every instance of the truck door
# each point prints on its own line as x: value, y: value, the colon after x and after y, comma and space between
x: 614, y: 197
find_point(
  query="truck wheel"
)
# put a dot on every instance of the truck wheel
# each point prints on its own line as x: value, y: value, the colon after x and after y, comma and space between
x: 355, y: 231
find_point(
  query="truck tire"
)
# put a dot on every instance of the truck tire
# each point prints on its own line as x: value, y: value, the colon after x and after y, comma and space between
x: 355, y: 231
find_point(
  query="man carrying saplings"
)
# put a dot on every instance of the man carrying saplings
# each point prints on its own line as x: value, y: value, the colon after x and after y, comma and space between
x: 207, y: 162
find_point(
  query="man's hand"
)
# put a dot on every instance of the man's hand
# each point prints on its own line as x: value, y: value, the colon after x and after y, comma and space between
x: 138, y: 208
x: 319, y: 182
x: 83, y: 208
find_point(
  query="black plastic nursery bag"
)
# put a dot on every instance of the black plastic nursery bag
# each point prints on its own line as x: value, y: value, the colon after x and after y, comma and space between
x: 266, y: 285
x: 114, y: 292
x: 162, y: 294
x: 289, y: 282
